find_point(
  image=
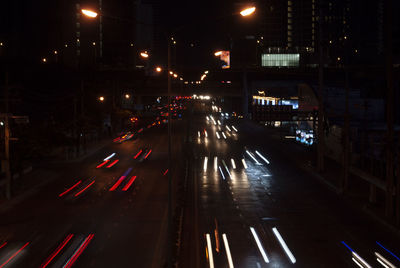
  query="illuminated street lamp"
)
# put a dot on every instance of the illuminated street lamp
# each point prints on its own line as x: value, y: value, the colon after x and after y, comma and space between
x: 175, y: 75
x: 89, y: 13
x: 44, y: 60
x: 218, y: 53
x: 101, y: 98
x: 158, y: 69
x: 247, y: 11
x: 144, y: 54
x: 127, y: 96
x: 171, y: 72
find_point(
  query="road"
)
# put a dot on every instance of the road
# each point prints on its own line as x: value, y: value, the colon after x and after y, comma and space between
x: 95, y: 217
x: 268, y: 212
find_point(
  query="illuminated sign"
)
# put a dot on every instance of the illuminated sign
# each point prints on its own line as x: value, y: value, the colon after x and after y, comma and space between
x: 224, y: 56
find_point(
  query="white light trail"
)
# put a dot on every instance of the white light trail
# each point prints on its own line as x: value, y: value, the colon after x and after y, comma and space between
x: 262, y: 157
x: 259, y: 245
x: 226, y: 168
x: 233, y: 163
x: 228, y: 251
x: 210, y: 253
x: 359, y: 265
x: 284, y: 246
x: 198, y: 134
x: 212, y: 118
x: 227, y: 127
x: 205, y: 133
x: 244, y: 163
x: 215, y: 163
x: 255, y: 160
x: 383, y: 261
x: 357, y: 259
x: 208, y: 119
x: 217, y: 134
x: 222, y: 173
x: 223, y: 134
x: 205, y: 164
x: 215, y: 123
x: 219, y: 122
x: 109, y: 157
x: 234, y: 128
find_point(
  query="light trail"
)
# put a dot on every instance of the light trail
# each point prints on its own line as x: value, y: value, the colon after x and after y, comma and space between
x: 222, y: 173
x: 136, y: 156
x: 233, y: 163
x: 84, y: 189
x: 215, y: 163
x: 383, y: 261
x: 147, y: 155
x: 226, y: 168
x: 219, y: 122
x: 259, y: 245
x: 102, y: 164
x: 79, y: 251
x: 198, y: 134
x: 14, y: 254
x: 217, y: 134
x: 223, y: 134
x: 234, y: 128
x: 109, y: 157
x: 228, y: 251
x: 126, y: 187
x: 69, y: 189
x: 205, y: 134
x: 284, y: 246
x: 244, y: 163
x: 165, y: 172
x: 113, y: 163
x: 358, y: 260
x: 205, y: 164
x: 262, y: 157
x: 227, y: 127
x: 391, y: 253
x: 210, y: 253
x: 255, y: 160
x: 56, y: 251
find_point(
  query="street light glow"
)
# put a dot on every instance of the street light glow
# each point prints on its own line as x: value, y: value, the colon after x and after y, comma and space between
x: 175, y: 75
x: 89, y: 13
x: 101, y: 98
x: 247, y: 11
x: 218, y: 53
x: 127, y: 96
x: 144, y: 54
x: 158, y: 69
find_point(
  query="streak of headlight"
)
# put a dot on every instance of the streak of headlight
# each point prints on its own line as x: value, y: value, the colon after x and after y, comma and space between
x: 244, y: 163
x: 262, y: 157
x: 109, y: 157
x: 208, y: 119
x: 222, y: 173
x: 234, y: 129
x: 284, y: 246
x: 359, y: 265
x: 259, y: 245
x: 198, y: 134
x: 205, y: 134
x: 226, y: 168
x: 255, y: 160
x: 228, y: 251
x: 233, y: 163
x: 227, y: 127
x: 391, y: 253
x: 205, y: 164
x: 217, y: 134
x: 219, y: 122
x: 215, y: 163
x: 210, y: 253
x: 382, y: 260
x: 360, y: 260
x: 223, y: 134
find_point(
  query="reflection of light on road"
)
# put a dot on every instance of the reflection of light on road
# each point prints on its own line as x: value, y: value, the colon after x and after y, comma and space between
x: 215, y: 163
x: 244, y: 163
x: 228, y: 251
x: 383, y: 261
x: 284, y: 246
x: 222, y: 173
x: 109, y: 157
x: 360, y: 261
x: 259, y: 245
x: 210, y: 253
x: 217, y: 134
x: 234, y: 129
x: 262, y: 157
x: 205, y: 164
x: 223, y: 134
x: 255, y: 160
x: 233, y: 163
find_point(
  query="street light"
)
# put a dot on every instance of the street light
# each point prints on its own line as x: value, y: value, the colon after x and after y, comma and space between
x: 89, y: 13
x: 175, y: 75
x: 247, y: 11
x: 158, y: 69
x: 127, y: 96
x: 144, y: 54
x: 101, y: 98
x: 218, y: 53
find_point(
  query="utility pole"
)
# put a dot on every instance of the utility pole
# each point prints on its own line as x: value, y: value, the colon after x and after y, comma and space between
x: 320, y: 148
x: 169, y: 240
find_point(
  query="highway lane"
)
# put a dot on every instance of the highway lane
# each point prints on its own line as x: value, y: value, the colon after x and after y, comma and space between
x: 272, y: 193
x: 101, y: 228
